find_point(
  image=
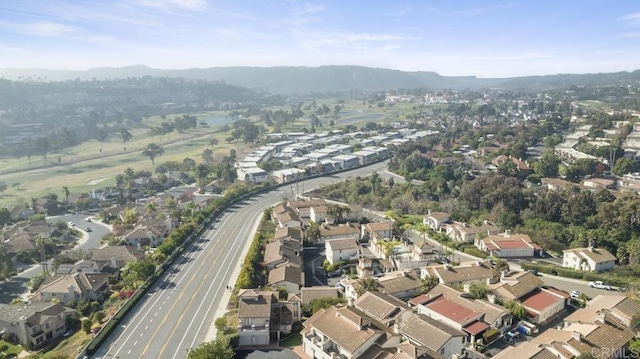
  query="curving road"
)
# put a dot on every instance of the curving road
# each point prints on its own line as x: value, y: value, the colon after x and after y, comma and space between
x: 178, y: 313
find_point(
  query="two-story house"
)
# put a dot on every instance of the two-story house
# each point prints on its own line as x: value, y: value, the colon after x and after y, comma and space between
x: 588, y: 259
x: 260, y: 313
x: 341, y: 250
x: 74, y: 288
x: 435, y: 220
x: 35, y: 323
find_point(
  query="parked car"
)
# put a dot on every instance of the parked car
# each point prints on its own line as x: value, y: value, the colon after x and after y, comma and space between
x: 512, y: 335
x: 88, y: 229
x: 71, y: 224
x: 576, y: 294
x: 600, y: 285
x: 88, y: 219
x: 335, y: 273
x: 534, y: 272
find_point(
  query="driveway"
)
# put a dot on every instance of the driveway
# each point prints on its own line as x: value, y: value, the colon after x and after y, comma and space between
x: 314, y: 274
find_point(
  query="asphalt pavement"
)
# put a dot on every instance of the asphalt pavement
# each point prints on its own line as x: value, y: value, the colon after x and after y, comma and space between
x: 179, y: 312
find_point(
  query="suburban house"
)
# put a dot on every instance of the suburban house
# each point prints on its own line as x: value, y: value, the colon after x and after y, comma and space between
x: 588, y: 259
x: 618, y: 306
x: 463, y: 232
x: 288, y: 232
x: 461, y: 275
x: 379, y: 229
x: 112, y: 258
x: 492, y: 315
x: 400, y: 284
x: 260, y: 314
x: 435, y: 220
x: 341, y: 250
x: 286, y: 216
x: 82, y: 266
x: 524, y: 169
x: 282, y: 251
x: 34, y: 323
x: 251, y: 174
x: 384, y: 308
x: 339, y: 332
x: 144, y: 236
x: 344, y: 231
x: 423, y: 331
x: 287, y: 275
x: 74, y: 288
x: 556, y: 184
x: 303, y: 208
x: 508, y: 245
x: 529, y: 350
x: 513, y: 287
x: 605, y: 337
x: 318, y: 214
x: 541, y: 303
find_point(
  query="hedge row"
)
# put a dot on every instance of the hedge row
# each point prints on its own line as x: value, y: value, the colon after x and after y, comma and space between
x: 571, y: 273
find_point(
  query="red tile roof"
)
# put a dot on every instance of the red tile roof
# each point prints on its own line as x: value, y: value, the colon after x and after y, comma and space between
x: 452, y: 310
x: 513, y: 244
x: 475, y: 328
x: 540, y: 299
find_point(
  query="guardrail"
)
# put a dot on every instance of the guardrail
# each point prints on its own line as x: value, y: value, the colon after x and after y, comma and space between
x: 122, y: 312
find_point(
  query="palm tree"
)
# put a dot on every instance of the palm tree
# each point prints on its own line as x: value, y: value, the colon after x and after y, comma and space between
x: 126, y: 137
x: 152, y: 151
x: 43, y: 260
x: 101, y: 136
x: 65, y: 191
x: 367, y: 284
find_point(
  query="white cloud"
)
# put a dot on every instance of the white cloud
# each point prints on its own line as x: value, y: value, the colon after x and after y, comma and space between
x: 350, y: 38
x: 40, y: 28
x: 309, y: 9
x: 193, y: 5
x: 629, y: 34
x: 632, y: 19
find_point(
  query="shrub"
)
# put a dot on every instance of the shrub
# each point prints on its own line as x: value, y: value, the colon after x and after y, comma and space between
x: 490, y: 335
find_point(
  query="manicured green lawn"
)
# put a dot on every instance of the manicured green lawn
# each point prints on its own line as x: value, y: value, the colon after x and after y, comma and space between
x: 291, y: 341
x: 12, y: 349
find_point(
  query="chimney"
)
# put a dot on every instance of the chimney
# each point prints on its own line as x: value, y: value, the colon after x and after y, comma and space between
x: 590, y: 248
x: 601, y: 316
x: 113, y: 263
x: 72, y: 292
x: 576, y: 335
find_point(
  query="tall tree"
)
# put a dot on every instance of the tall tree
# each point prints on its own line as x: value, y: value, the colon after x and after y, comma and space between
x: 125, y: 136
x: 66, y: 192
x: 101, y: 136
x: 367, y: 284
x: 152, y: 151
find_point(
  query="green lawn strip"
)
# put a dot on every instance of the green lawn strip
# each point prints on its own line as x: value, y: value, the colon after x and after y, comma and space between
x: 291, y: 341
x: 12, y: 349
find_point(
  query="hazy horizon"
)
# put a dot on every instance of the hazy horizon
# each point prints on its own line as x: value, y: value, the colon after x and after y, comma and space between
x: 492, y: 39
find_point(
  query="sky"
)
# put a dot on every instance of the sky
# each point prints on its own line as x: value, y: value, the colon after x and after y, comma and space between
x: 451, y: 37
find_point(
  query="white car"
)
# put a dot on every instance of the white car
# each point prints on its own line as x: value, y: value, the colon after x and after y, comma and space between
x: 71, y: 224
x: 576, y: 294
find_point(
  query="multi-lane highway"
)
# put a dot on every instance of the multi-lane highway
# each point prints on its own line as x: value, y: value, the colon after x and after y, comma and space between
x: 178, y: 313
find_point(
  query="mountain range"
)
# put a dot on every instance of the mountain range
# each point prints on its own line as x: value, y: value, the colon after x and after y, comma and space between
x: 290, y: 79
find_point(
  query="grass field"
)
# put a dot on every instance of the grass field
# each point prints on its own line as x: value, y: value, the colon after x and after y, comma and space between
x: 291, y: 341
x: 85, y: 167
x: 11, y: 348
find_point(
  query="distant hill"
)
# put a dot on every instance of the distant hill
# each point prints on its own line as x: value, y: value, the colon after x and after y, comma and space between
x: 288, y: 79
